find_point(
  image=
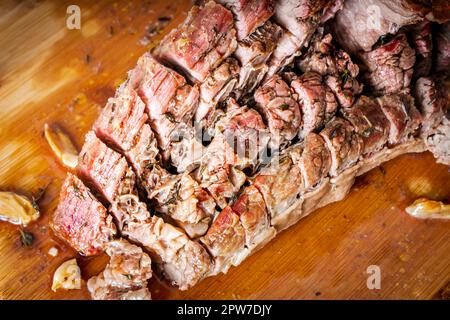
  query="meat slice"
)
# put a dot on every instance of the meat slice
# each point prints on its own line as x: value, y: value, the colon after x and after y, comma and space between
x: 253, y: 52
x: 280, y: 184
x: 360, y: 24
x: 251, y: 209
x: 181, y: 198
x: 225, y: 239
x: 164, y: 91
x: 316, y: 100
x: 403, y: 116
x: 370, y: 124
x: 301, y: 17
x: 314, y: 160
x: 277, y: 103
x: 105, y: 169
x: 180, y: 144
x: 219, y: 171
x: 335, y: 65
x: 182, y: 261
x: 429, y: 102
x: 245, y: 132
x: 442, y: 60
x: 126, y: 275
x: 201, y: 42
x: 216, y: 88
x: 344, y: 144
x: 285, y: 52
x: 390, y: 66
x: 80, y: 219
x: 121, y: 119
x: 122, y: 125
x: 438, y: 142
x: 249, y: 14
x: 423, y: 45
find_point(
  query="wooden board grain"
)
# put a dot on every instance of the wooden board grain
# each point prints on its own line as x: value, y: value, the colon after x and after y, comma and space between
x: 51, y: 74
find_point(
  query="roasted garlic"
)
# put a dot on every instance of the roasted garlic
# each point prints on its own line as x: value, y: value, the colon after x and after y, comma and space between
x: 428, y: 209
x: 62, y: 146
x: 17, y: 209
x: 67, y: 276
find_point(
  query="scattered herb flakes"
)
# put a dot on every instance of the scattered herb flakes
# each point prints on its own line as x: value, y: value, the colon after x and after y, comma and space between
x: 284, y: 106
x: 26, y: 238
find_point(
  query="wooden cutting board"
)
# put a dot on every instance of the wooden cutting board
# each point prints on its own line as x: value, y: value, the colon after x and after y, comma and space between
x: 51, y: 74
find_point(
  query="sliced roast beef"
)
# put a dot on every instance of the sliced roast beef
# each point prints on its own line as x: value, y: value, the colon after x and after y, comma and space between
x: 253, y: 52
x: 105, y: 169
x: 277, y: 103
x: 344, y: 144
x: 390, y: 66
x: 122, y: 125
x: 251, y: 209
x: 219, y: 171
x: 164, y: 91
x: 225, y: 239
x: 442, y: 61
x: 360, y: 24
x: 335, y: 65
x: 245, y: 132
x: 404, y: 118
x: 182, y: 261
x: 438, y: 142
x: 370, y: 124
x: 182, y: 199
x: 216, y: 88
x: 317, y: 102
x: 280, y: 184
x: 201, y: 42
x: 430, y: 103
x: 423, y: 45
x: 285, y: 52
x: 249, y: 14
x: 121, y: 119
x: 126, y: 275
x: 314, y: 160
x: 302, y: 17
x: 80, y: 219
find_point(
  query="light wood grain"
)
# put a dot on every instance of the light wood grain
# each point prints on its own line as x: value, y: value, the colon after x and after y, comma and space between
x: 46, y: 77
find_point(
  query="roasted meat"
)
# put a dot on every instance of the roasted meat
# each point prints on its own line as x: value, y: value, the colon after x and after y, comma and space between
x: 404, y: 119
x: 251, y: 209
x: 442, y: 62
x: 314, y: 160
x: 335, y: 65
x: 317, y: 102
x: 360, y: 23
x: 181, y: 198
x: 390, y: 66
x: 225, y: 239
x: 280, y: 184
x: 285, y: 52
x: 370, y: 124
x: 80, y: 219
x: 302, y: 17
x: 216, y: 88
x: 423, y: 45
x: 430, y: 103
x: 253, y: 52
x: 201, y: 42
x: 105, y: 169
x: 344, y: 144
x: 126, y: 275
x: 277, y: 103
x: 164, y: 91
x: 249, y: 14
x: 438, y: 142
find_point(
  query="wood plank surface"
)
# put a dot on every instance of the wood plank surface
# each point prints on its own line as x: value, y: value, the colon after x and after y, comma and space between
x: 49, y: 74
